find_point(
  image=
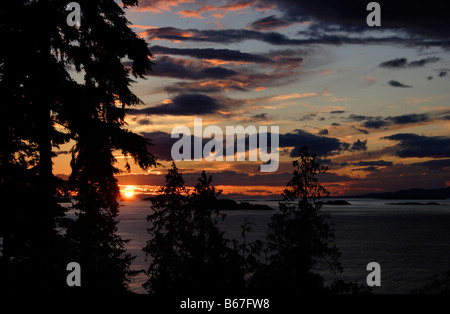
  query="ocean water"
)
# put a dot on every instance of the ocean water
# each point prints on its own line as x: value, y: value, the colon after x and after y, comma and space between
x: 410, y: 242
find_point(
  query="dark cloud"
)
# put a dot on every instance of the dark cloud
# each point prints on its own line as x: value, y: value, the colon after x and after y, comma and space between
x: 409, y: 118
x: 323, y: 132
x: 182, y: 105
x: 228, y: 36
x: 211, y: 53
x: 442, y: 73
x: 335, y: 124
x: 337, y: 112
x: 422, y: 62
x: 397, y: 84
x: 363, y: 131
x: 427, y: 20
x: 319, y: 145
x: 413, y: 145
x: 205, y: 86
x: 62, y: 152
x: 308, y: 117
x: 225, y: 36
x: 379, y: 163
x: 162, y: 144
x: 439, y: 164
x: 375, y: 123
x: 368, y: 169
x: 259, y: 117
x: 380, y: 122
x: 183, y: 69
x: 359, y: 145
x: 144, y: 122
x: 396, y: 63
x: 269, y: 23
x: 355, y: 117
x: 403, y: 63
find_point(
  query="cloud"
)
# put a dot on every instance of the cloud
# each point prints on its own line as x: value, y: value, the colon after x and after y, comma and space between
x: 182, y: 105
x: 229, y: 36
x: 427, y: 21
x: 259, y: 117
x: 440, y: 164
x: 189, y: 14
x: 379, y: 163
x: 359, y: 145
x: 225, y: 36
x: 269, y: 23
x: 323, y: 132
x: 397, y: 84
x: 375, y: 123
x: 355, y: 117
x: 337, y: 112
x: 413, y: 145
x: 206, y: 86
x: 363, y: 131
x: 320, y: 145
x: 158, y: 6
x: 144, y: 122
x: 409, y: 118
x: 368, y: 169
x: 162, y: 144
x: 422, y: 62
x: 211, y: 53
x: 396, y: 63
x: 308, y: 117
x: 380, y: 122
x: 403, y: 63
x: 185, y: 69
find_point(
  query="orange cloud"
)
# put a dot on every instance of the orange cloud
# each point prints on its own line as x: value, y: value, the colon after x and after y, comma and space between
x: 190, y: 14
x: 219, y: 15
x: 152, y: 34
x: 158, y: 6
x: 292, y: 96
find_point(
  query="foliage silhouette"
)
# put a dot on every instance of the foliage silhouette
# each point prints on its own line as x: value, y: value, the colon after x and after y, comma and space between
x: 300, y: 237
x: 438, y: 284
x: 189, y: 254
x: 41, y: 98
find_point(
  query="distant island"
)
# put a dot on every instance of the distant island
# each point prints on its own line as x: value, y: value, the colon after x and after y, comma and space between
x: 413, y: 203
x: 411, y: 194
x: 228, y: 204
x: 336, y: 202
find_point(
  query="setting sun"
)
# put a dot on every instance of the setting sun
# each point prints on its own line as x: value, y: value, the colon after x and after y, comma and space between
x: 129, y: 194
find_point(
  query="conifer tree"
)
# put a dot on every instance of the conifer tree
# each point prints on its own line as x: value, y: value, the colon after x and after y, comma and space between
x: 190, y: 255
x: 301, y: 236
x: 45, y: 106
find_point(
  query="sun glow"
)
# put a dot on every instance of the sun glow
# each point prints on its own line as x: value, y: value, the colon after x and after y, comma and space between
x: 129, y: 194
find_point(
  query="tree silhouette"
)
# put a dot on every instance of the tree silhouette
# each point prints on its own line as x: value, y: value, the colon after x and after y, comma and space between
x: 166, y: 232
x: 300, y: 236
x: 189, y: 253
x: 45, y: 106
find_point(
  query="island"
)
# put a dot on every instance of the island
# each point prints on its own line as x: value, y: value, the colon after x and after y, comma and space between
x: 336, y: 202
x: 413, y: 203
x: 229, y: 204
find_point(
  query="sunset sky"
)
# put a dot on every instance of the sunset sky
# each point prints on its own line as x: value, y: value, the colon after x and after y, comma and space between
x: 372, y: 102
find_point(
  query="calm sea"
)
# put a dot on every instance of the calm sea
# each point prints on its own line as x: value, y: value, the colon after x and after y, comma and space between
x: 410, y: 242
